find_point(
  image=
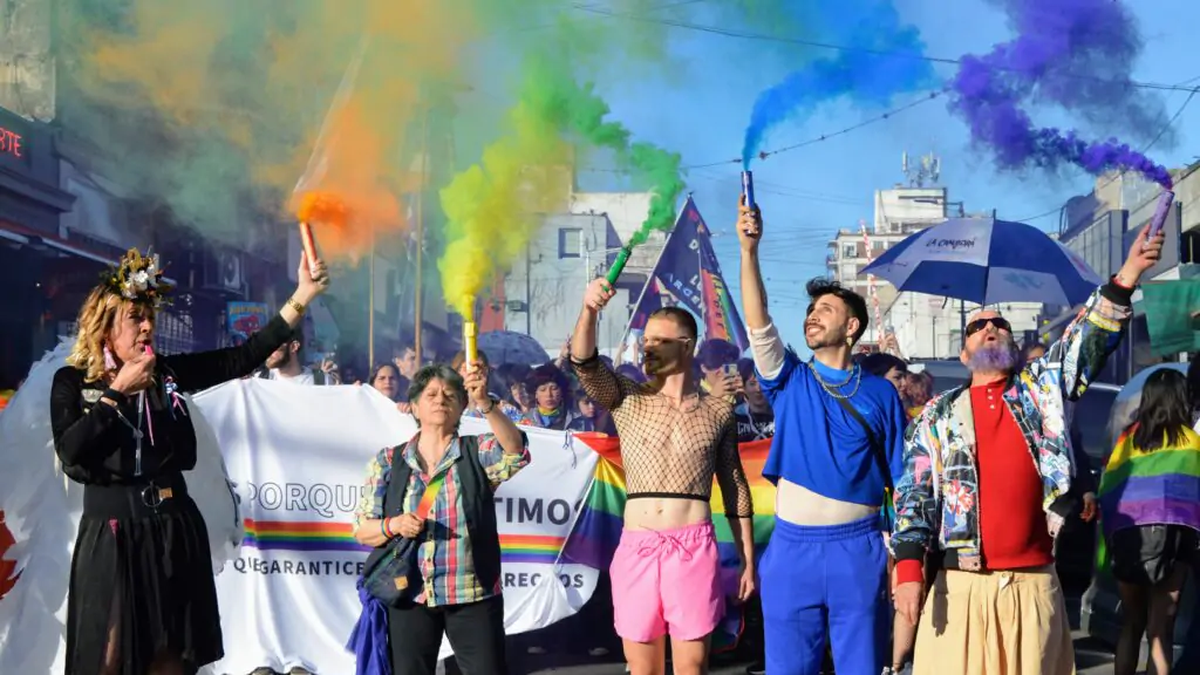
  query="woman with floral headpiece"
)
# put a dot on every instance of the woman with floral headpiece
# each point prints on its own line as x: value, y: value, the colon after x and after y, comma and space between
x: 142, y: 595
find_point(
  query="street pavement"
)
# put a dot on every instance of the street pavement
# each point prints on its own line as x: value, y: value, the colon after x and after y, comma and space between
x: 1091, y: 657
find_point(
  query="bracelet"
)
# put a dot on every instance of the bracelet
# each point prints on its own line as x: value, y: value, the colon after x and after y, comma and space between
x: 490, y: 408
x: 387, y: 531
x: 115, y: 396
x: 1116, y: 279
x: 294, y: 304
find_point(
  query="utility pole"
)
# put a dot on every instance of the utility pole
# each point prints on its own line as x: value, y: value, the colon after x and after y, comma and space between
x: 371, y: 305
x: 418, y: 321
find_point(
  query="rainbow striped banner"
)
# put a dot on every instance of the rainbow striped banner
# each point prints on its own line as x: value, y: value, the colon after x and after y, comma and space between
x: 275, y: 535
x: 598, y: 528
x: 1148, y: 487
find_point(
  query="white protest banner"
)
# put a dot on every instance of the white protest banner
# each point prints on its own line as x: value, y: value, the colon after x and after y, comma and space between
x: 288, y: 599
x: 299, y: 455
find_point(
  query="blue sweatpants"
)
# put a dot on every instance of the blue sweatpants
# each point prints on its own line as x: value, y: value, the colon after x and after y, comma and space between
x: 819, y: 581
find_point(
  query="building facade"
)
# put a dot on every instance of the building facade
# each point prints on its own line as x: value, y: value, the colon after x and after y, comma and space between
x: 541, y: 294
x: 925, y: 326
x: 1102, y: 226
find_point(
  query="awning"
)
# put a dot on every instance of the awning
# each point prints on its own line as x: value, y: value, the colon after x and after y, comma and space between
x: 36, y: 239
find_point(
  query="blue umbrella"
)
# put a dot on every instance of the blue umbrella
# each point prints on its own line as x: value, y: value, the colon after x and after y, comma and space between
x: 987, y: 261
x: 505, y: 346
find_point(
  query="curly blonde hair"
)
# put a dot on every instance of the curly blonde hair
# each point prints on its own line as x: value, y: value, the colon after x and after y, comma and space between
x: 96, y: 320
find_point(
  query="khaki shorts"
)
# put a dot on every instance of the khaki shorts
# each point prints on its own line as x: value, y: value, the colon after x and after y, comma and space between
x: 995, y: 623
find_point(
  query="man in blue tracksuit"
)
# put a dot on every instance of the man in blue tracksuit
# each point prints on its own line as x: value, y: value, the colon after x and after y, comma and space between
x: 839, y: 438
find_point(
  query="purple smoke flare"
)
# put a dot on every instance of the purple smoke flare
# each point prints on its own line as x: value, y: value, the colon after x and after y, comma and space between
x: 1077, y: 54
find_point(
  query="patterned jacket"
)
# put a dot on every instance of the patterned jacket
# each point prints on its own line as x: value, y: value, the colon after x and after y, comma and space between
x: 938, y: 492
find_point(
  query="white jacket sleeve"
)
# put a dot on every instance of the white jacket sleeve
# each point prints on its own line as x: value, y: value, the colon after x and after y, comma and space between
x: 767, y: 349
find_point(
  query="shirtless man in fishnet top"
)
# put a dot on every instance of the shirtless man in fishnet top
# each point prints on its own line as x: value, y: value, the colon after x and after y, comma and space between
x: 673, y: 441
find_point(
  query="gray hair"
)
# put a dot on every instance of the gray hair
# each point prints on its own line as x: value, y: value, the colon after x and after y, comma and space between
x: 437, y: 371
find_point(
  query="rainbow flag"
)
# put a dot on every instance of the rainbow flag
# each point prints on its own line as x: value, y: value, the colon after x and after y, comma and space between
x: 598, y: 527
x: 1149, y: 487
x: 275, y: 535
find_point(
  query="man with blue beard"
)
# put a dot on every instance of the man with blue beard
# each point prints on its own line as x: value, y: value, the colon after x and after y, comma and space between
x: 984, y: 491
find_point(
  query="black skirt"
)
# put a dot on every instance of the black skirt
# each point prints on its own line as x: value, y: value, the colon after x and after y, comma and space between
x: 1146, y: 555
x: 141, y: 575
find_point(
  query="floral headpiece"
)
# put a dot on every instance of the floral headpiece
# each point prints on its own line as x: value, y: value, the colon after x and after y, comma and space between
x: 138, y: 278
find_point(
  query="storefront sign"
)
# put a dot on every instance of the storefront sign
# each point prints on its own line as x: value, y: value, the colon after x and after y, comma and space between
x: 10, y: 143
x: 14, y: 139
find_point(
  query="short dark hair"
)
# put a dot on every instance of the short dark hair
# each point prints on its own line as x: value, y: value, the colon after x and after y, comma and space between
x: 881, y: 364
x: 746, y: 369
x: 547, y: 373
x: 438, y: 371
x: 715, y: 352
x: 680, y: 316
x: 379, y: 368
x: 854, y: 302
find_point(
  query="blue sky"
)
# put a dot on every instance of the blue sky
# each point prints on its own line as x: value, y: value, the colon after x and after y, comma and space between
x: 807, y: 194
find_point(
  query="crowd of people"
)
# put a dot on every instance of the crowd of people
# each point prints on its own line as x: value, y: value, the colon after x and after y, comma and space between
x: 912, y: 530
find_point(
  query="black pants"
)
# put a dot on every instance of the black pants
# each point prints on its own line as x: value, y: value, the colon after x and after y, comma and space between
x: 475, y: 630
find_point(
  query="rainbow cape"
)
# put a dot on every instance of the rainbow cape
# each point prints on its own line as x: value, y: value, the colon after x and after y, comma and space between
x: 1153, y: 487
x: 598, y: 527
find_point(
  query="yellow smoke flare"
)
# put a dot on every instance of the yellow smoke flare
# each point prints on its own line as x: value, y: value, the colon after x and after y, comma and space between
x: 492, y: 207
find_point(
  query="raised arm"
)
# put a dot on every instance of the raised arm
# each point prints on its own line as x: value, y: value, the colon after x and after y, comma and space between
x: 603, y: 385
x: 194, y: 372
x: 766, y: 346
x: 511, y: 441
x: 501, y: 462
x: 1087, y: 343
x: 79, y: 436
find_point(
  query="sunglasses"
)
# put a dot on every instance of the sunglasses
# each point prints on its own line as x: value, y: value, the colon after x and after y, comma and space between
x: 979, y: 324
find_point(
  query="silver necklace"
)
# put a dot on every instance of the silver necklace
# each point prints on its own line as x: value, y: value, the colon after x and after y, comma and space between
x: 832, y: 390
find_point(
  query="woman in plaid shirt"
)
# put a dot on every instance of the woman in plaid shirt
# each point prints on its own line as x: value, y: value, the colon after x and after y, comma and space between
x: 459, y: 552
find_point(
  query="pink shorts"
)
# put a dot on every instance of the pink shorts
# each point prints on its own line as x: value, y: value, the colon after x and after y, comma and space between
x: 666, y: 582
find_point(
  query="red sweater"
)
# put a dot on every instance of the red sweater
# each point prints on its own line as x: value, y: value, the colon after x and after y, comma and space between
x: 1012, y: 524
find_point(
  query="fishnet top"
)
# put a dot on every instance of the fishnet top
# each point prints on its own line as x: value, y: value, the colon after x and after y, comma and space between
x: 669, y: 452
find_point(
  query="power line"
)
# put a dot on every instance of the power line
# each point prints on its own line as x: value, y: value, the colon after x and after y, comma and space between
x: 796, y: 146
x: 1149, y: 145
x: 864, y: 50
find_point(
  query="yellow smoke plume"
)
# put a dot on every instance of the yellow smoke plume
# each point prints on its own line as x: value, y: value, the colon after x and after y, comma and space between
x: 490, y: 207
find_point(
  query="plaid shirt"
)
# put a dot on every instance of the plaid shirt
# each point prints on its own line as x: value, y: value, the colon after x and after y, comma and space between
x: 445, y: 556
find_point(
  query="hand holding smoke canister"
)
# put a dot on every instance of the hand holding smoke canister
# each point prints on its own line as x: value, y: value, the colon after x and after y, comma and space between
x: 1160, y: 214
x: 310, y: 245
x: 471, y: 339
x: 748, y: 188
x: 618, y: 265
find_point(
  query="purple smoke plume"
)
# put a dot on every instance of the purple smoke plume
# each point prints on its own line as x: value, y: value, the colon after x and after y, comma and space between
x: 1077, y: 54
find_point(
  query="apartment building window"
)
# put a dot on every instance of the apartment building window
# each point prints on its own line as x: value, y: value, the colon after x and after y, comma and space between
x: 849, y: 251
x: 570, y: 242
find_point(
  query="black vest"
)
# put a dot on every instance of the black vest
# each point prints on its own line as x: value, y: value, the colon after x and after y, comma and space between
x: 478, y: 506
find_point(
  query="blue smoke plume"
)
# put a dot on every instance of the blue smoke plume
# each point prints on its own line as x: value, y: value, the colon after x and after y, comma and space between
x: 882, y: 58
